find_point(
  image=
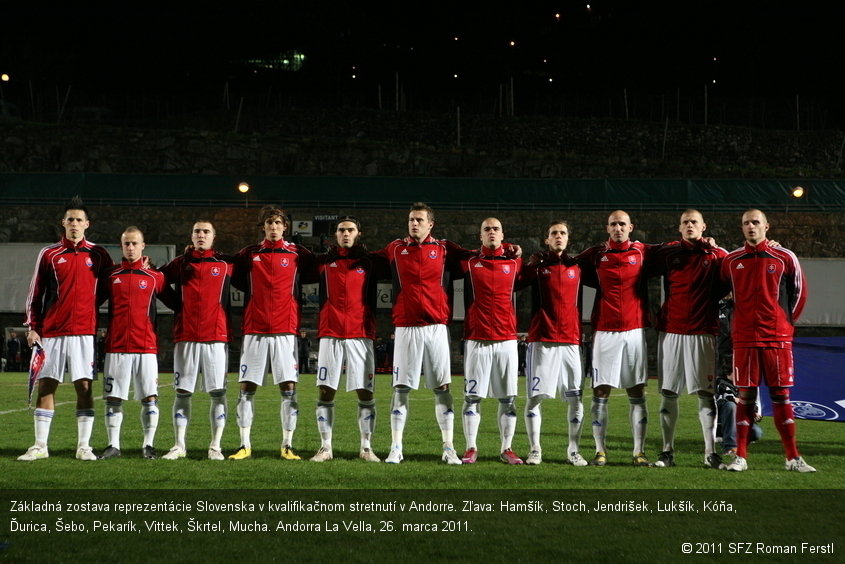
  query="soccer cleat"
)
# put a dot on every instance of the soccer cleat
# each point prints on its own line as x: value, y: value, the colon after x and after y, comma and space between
x: 640, y: 460
x: 509, y: 457
x: 450, y: 456
x: 739, y: 464
x: 85, y: 453
x: 288, y: 453
x: 576, y: 459
x: 470, y: 456
x: 110, y: 452
x: 149, y: 452
x: 798, y: 465
x: 713, y: 461
x: 175, y: 453
x: 534, y: 458
x: 368, y: 455
x: 727, y: 459
x: 35, y: 452
x: 664, y: 460
x: 215, y: 454
x: 600, y: 459
x: 323, y: 455
x: 242, y: 454
x: 395, y: 456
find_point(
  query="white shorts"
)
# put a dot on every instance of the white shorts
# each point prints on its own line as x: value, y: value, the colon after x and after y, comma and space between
x: 75, y: 351
x: 189, y: 359
x: 360, y: 363
x: 280, y: 349
x: 421, y: 349
x: 490, y: 369
x: 619, y: 358
x: 551, y: 368
x: 689, y: 359
x: 139, y: 369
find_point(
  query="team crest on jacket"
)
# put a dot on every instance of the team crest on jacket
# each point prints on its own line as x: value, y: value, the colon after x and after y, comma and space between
x: 88, y: 262
x: 771, y: 268
x: 706, y: 262
x: 142, y: 284
x: 360, y: 270
x: 285, y: 262
x: 570, y: 274
x: 632, y: 260
x: 506, y: 268
x: 215, y: 271
x: 432, y: 254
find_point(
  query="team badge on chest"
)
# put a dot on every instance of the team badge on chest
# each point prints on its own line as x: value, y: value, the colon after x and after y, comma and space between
x: 632, y: 260
x: 285, y: 262
x: 506, y: 268
x: 142, y: 284
x: 771, y: 268
x: 215, y: 271
x: 432, y: 254
x: 88, y: 262
x: 360, y: 270
x: 570, y: 274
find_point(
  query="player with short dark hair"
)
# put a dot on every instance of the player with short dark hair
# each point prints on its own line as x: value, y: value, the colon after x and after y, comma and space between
x: 61, y: 317
x: 201, y: 333
x: 347, y: 328
x: 553, y: 361
x: 422, y: 268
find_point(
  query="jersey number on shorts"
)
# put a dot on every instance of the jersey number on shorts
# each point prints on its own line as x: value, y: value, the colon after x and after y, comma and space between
x: 108, y: 386
x: 176, y: 377
x: 536, y: 380
x: 470, y: 386
x: 323, y: 374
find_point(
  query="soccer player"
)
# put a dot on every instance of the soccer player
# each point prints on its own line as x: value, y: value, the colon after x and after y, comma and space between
x: 269, y: 274
x: 131, y: 345
x: 422, y: 267
x: 61, y: 316
x: 619, y: 319
x: 491, y: 359
x: 347, y: 328
x: 687, y: 327
x: 201, y: 331
x: 769, y: 295
x: 553, y: 361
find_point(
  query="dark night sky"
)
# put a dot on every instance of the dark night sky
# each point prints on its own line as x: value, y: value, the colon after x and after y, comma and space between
x: 761, y: 47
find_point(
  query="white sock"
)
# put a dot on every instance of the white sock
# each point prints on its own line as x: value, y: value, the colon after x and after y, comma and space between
x: 668, y: 420
x: 149, y: 421
x: 398, y: 416
x: 638, y: 414
x: 325, y: 420
x: 245, y: 412
x: 507, y: 422
x: 289, y: 416
x: 471, y: 418
x: 366, y: 421
x: 181, y: 416
x: 114, y: 421
x: 707, y: 417
x: 84, y: 427
x: 445, y: 416
x: 217, y: 414
x: 598, y: 413
x: 43, y: 418
x: 575, y: 417
x: 533, y: 422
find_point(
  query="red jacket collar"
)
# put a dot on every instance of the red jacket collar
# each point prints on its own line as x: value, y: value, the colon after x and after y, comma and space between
x: 761, y: 246
x: 624, y: 246
x: 268, y: 244
x: 488, y: 252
